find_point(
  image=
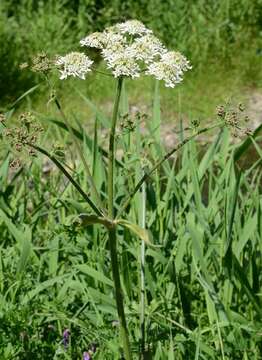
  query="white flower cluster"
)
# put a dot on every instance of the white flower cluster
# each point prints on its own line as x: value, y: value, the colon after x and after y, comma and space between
x: 129, y: 49
x: 95, y: 40
x: 133, y: 27
x: 75, y: 64
x: 169, y: 68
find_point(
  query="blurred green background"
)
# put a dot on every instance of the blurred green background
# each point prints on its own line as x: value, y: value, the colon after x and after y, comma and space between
x: 222, y: 39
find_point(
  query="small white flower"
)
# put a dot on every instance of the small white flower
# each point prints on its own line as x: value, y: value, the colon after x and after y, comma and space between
x: 102, y: 40
x: 94, y: 40
x: 74, y: 64
x: 147, y: 48
x: 133, y: 27
x: 176, y: 59
x: 121, y: 63
x: 170, y: 68
x: 114, y: 40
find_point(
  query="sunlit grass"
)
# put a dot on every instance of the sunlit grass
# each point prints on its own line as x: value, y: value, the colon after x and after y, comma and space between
x: 202, y: 281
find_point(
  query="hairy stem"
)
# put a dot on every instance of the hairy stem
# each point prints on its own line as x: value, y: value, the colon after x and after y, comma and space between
x: 160, y: 162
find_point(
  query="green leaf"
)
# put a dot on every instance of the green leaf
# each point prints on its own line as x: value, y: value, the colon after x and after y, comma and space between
x: 28, y: 92
x: 97, y: 275
x: 242, y: 149
x: 43, y: 286
x: 82, y: 136
x: 23, y: 239
x: 100, y: 116
x: 87, y: 220
x: 171, y: 355
x: 143, y: 234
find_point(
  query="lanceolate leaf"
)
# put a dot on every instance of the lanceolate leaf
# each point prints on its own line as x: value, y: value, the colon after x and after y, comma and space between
x: 242, y: 149
x: 96, y: 275
x: 143, y: 234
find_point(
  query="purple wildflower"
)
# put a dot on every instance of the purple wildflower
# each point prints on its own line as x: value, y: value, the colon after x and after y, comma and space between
x: 66, y: 335
x: 86, y: 356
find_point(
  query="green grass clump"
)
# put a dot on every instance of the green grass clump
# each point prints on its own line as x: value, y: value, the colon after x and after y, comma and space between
x: 202, y: 270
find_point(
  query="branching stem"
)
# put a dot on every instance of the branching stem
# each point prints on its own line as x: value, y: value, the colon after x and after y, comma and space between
x: 147, y: 175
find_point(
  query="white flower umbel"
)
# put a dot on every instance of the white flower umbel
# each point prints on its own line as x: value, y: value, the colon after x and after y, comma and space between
x: 170, y: 68
x: 74, y: 64
x: 133, y: 27
x: 129, y: 49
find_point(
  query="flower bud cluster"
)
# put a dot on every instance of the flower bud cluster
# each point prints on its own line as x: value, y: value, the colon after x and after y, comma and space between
x: 25, y: 134
x: 195, y: 123
x: 58, y: 150
x: 128, y: 123
x: 41, y: 63
x: 233, y: 118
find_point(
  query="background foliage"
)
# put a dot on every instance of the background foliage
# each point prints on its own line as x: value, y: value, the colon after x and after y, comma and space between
x: 208, y: 32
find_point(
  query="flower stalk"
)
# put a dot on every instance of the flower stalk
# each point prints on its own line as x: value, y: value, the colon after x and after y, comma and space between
x: 68, y: 176
x: 118, y: 294
x: 142, y: 274
x: 111, y: 152
x: 112, y: 231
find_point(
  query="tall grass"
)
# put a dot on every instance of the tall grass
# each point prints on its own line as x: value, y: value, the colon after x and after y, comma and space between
x: 201, y: 274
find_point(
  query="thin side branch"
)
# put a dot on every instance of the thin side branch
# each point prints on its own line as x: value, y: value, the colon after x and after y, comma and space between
x: 160, y: 162
x: 69, y: 177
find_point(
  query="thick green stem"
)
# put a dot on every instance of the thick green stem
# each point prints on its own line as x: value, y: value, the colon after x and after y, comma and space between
x: 142, y: 273
x: 119, y: 295
x: 112, y: 230
x: 111, y: 152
